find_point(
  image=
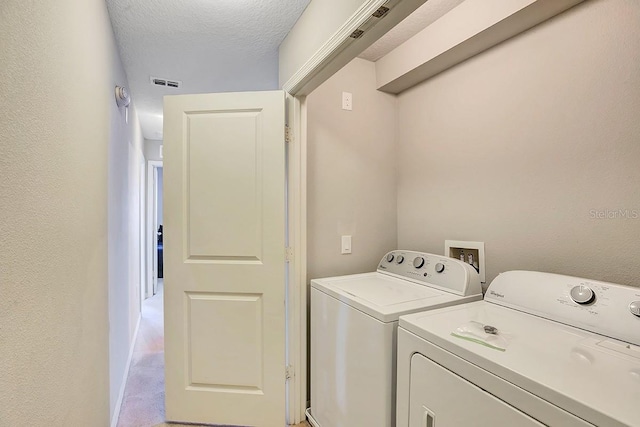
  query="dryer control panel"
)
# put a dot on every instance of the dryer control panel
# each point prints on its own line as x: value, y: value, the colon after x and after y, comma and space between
x: 435, y: 271
x: 604, y: 308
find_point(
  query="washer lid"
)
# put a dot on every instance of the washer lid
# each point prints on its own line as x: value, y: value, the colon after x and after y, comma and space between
x: 385, y: 297
x: 383, y: 290
x: 589, y: 375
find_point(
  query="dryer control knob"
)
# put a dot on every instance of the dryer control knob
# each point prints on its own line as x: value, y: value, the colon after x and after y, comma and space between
x: 418, y: 262
x: 634, y: 308
x: 582, y: 294
x: 400, y: 259
x: 439, y: 267
x: 390, y: 257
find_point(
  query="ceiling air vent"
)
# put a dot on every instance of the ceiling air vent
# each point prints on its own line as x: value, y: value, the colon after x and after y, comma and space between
x: 158, y: 81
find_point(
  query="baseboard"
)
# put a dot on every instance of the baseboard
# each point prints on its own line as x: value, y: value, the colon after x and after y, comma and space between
x: 116, y: 411
x: 310, y: 418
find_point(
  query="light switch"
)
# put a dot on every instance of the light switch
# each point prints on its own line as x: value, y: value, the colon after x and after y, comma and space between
x: 347, y: 101
x: 346, y: 245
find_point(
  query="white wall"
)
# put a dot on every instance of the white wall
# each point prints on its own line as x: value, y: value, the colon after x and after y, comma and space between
x: 125, y: 161
x: 516, y: 146
x: 152, y: 149
x: 351, y: 188
x: 57, y: 126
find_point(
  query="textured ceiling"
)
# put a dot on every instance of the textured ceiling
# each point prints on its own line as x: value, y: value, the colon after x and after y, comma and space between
x: 210, y: 45
x: 424, y: 16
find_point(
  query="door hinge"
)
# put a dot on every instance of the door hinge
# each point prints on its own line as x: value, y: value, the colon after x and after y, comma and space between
x: 288, y: 135
x: 289, y: 372
x: 288, y: 254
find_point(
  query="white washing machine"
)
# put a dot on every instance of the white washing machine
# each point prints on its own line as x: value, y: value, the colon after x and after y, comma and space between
x: 541, y: 349
x: 354, y: 322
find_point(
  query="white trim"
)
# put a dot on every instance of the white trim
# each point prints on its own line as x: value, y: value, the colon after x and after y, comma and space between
x: 340, y: 48
x: 297, y: 291
x: 116, y: 411
x: 336, y: 52
x: 310, y: 418
x: 149, y: 229
x: 143, y: 236
x: 316, y: 68
x: 302, y: 261
x: 154, y: 234
x: 331, y: 47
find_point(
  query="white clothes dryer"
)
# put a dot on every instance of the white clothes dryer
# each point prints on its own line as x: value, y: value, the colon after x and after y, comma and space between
x: 541, y: 349
x: 354, y: 322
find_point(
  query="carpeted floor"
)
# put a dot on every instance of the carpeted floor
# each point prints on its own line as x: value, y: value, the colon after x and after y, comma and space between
x: 143, y: 402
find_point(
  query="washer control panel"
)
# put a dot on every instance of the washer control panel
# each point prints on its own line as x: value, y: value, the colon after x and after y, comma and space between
x: 431, y: 270
x: 582, y: 294
x: 604, y: 308
x: 634, y: 308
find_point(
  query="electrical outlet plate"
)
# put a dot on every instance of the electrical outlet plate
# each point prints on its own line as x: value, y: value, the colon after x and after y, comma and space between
x: 347, y: 101
x: 455, y: 248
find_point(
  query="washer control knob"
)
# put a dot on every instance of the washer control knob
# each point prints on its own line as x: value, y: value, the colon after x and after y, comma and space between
x: 418, y: 262
x: 399, y: 259
x: 439, y: 267
x: 634, y: 308
x: 390, y: 257
x: 582, y: 294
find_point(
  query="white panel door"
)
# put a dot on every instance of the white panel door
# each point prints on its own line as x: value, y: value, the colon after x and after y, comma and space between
x: 224, y: 271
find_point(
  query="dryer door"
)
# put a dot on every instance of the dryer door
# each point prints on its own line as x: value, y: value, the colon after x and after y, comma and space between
x: 440, y: 398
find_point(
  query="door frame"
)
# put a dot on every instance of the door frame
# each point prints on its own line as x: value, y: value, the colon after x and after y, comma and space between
x: 143, y: 233
x: 337, y: 51
x: 151, y: 246
x: 296, y: 354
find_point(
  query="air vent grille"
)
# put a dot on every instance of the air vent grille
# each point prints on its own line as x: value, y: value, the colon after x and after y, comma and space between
x: 159, y: 81
x: 357, y: 34
x: 380, y: 12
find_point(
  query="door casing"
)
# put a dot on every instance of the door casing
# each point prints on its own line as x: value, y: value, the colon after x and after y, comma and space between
x: 334, y: 53
x: 151, y: 240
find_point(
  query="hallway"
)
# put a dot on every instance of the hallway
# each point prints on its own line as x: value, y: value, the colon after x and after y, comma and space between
x: 143, y: 402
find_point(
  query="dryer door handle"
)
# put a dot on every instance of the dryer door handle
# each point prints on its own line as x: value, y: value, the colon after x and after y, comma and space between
x: 428, y: 417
